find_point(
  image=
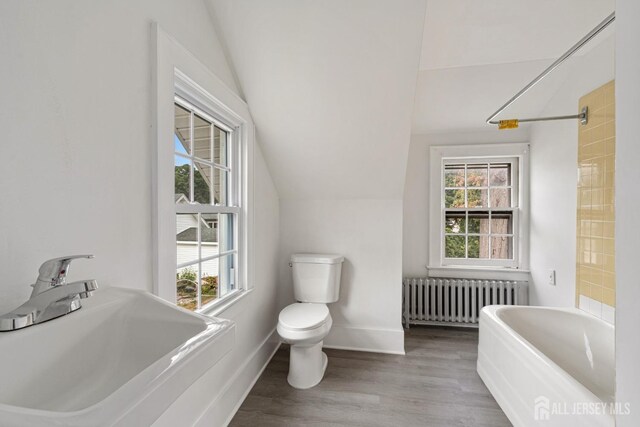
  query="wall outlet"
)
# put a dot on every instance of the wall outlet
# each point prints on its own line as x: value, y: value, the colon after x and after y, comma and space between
x: 552, y: 277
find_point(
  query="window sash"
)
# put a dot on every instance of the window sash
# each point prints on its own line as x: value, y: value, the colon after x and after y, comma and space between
x: 231, y: 206
x: 513, y: 209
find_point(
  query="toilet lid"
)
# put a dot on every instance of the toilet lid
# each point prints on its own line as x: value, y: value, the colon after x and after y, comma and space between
x: 303, y: 315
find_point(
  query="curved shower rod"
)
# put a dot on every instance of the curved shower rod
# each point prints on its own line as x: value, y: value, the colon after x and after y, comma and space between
x: 583, y: 116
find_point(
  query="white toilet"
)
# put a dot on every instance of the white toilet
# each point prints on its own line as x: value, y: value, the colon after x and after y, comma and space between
x: 316, y: 283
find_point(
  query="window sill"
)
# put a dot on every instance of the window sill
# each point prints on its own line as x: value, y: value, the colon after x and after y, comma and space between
x: 217, y: 308
x: 478, y: 272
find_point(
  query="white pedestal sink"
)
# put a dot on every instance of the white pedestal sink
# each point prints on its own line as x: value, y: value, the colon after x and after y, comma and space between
x: 120, y: 360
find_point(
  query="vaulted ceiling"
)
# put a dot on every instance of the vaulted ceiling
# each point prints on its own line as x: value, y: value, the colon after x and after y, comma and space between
x: 336, y: 87
x: 477, y: 54
x: 330, y: 85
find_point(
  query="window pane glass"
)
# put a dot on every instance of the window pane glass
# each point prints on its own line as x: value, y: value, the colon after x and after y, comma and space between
x: 227, y: 274
x: 454, y: 176
x: 478, y: 247
x: 477, y: 175
x: 209, y: 282
x: 454, y: 246
x: 454, y: 198
x: 186, y: 238
x: 182, y: 130
x: 500, y: 175
x: 202, y: 132
x: 221, y: 146
x: 221, y: 185
x: 209, y: 226
x: 202, y: 183
x: 226, y: 232
x: 187, y: 287
x: 477, y: 198
x: 501, y: 197
x: 502, y: 247
x: 501, y: 223
x: 182, y: 180
x: 455, y: 223
x: 479, y: 223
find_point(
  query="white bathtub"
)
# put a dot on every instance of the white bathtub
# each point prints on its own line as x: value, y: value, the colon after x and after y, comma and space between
x: 548, y: 366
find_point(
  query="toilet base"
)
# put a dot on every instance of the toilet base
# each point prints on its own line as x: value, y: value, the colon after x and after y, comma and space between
x: 307, y: 365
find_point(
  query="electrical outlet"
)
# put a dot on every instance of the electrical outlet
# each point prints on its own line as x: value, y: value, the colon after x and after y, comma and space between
x: 552, y: 277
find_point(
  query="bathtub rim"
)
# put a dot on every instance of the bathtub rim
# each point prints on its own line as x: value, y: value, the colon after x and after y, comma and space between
x: 492, y: 312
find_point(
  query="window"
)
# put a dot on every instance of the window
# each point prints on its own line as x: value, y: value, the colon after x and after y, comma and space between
x: 479, y: 215
x: 480, y: 202
x: 202, y: 171
x: 206, y: 206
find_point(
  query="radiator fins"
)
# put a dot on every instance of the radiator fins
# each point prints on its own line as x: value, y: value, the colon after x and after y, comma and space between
x: 456, y: 301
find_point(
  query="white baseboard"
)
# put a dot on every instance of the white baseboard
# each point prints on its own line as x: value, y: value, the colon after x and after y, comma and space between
x: 223, y: 408
x: 389, y: 341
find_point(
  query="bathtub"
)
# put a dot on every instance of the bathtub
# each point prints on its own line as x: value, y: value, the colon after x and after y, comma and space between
x: 548, y: 366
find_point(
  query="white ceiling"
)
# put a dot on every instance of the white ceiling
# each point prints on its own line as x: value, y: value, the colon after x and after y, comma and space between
x: 330, y: 85
x: 460, y: 33
x: 336, y: 87
x: 477, y: 54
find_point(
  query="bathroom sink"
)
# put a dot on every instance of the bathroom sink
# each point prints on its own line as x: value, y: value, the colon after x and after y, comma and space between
x: 121, y: 359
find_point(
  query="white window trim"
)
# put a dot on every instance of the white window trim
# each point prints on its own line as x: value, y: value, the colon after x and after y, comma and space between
x: 435, y: 265
x: 177, y: 72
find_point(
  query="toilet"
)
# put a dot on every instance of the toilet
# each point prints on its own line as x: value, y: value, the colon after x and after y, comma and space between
x: 304, y: 324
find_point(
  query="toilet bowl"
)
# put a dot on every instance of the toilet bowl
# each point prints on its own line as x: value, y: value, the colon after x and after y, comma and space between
x: 304, y: 326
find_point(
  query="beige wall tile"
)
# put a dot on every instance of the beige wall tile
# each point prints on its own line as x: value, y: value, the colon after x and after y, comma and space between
x: 595, y: 245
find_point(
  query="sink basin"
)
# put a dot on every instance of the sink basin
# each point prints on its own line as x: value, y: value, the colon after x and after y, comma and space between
x: 121, y: 359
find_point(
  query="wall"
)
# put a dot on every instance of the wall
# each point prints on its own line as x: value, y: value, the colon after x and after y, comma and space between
x: 627, y: 208
x: 415, y: 244
x: 368, y: 233
x: 554, y: 156
x: 76, y: 119
x: 595, y: 263
x: 553, y: 162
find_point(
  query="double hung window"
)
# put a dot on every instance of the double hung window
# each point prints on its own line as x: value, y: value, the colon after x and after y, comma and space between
x: 207, y: 206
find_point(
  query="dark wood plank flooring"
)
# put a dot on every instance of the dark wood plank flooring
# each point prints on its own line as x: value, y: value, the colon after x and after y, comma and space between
x: 435, y: 384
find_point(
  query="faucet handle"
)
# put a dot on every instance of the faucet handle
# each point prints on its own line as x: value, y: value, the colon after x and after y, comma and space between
x: 54, y: 271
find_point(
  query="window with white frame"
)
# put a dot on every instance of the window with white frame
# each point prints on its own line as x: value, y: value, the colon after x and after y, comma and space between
x: 479, y: 206
x: 207, y: 206
x: 480, y: 211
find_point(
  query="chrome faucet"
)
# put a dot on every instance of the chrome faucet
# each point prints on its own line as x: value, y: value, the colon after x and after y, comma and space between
x: 51, y: 296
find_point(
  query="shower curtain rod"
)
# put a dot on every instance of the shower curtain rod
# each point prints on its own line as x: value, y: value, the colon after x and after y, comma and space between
x: 513, y: 123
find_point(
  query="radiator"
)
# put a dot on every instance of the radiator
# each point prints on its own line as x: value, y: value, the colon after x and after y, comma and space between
x: 428, y: 301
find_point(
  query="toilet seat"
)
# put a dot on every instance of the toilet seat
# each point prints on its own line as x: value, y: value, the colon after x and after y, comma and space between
x: 304, y: 316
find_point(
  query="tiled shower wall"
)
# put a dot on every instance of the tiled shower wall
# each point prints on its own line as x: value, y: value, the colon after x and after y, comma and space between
x: 595, y: 269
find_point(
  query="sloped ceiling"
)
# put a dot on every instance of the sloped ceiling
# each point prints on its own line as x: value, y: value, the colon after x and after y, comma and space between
x: 331, y: 88
x: 477, y: 54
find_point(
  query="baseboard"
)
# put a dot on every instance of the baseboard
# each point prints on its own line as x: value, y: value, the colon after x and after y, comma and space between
x: 389, y: 341
x: 240, y: 384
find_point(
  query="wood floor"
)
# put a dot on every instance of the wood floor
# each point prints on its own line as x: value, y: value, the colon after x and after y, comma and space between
x: 435, y: 384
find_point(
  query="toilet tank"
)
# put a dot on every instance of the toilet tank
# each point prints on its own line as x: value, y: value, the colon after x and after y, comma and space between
x: 316, y: 277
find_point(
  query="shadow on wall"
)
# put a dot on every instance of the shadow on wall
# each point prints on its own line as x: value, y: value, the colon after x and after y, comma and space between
x: 346, y: 281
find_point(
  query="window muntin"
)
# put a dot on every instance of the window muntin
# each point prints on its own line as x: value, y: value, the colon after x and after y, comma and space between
x: 479, y: 211
x: 206, y: 205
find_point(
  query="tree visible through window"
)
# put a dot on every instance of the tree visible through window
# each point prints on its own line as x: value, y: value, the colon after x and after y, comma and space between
x: 207, y: 207
x: 479, y: 210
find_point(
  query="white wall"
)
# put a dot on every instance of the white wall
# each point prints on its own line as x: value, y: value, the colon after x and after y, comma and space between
x: 76, y: 119
x: 554, y: 176
x: 627, y: 208
x: 553, y: 166
x: 369, y: 235
x: 415, y: 245
x: 331, y: 94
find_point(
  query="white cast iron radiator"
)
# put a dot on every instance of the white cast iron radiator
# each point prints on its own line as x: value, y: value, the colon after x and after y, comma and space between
x: 429, y: 301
